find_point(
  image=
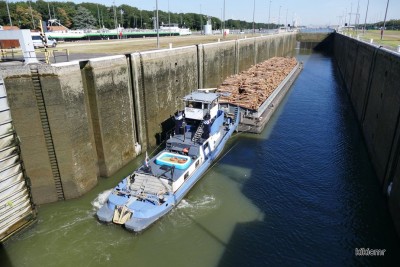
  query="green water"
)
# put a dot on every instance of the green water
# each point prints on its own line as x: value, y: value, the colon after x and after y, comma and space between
x: 193, y: 234
x: 302, y: 193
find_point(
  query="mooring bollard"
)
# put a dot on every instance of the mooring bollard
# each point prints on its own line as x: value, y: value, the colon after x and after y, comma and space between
x: 170, y: 45
x: 219, y: 40
x: 398, y: 48
x: 371, y: 41
x: 358, y: 37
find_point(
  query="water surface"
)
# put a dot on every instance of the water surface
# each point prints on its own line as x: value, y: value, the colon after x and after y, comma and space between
x: 303, y: 193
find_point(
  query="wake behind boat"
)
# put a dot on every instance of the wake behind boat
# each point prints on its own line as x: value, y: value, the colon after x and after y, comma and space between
x: 151, y: 191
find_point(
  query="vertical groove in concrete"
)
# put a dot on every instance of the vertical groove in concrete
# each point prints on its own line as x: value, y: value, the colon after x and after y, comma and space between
x: 47, y: 131
x: 200, y: 66
x: 393, y: 159
x: 354, y: 69
x: 255, y: 51
x: 88, y: 81
x: 133, y: 82
x: 370, y: 77
x: 140, y: 129
x: 144, y: 98
x: 237, y: 54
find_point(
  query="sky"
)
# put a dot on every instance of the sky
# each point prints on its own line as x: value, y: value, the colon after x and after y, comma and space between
x: 305, y: 12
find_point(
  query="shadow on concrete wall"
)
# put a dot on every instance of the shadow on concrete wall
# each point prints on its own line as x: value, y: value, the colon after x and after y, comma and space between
x: 326, y: 45
x: 167, y: 128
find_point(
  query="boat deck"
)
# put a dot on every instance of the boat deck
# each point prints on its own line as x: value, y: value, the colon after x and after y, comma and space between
x: 149, y: 184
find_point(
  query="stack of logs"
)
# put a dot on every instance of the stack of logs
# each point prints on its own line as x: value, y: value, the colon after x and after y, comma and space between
x: 250, y: 88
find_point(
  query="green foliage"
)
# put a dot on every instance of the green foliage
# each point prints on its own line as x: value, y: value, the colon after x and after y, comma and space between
x: 83, y: 19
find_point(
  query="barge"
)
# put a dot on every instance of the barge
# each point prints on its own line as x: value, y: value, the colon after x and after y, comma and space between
x: 201, y: 132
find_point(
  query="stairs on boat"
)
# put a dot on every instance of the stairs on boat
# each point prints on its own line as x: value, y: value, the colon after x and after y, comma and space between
x: 236, y: 117
x: 198, y: 133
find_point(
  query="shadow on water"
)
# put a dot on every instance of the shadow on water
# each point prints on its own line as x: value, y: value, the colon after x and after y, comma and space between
x: 313, y: 180
x: 4, y: 259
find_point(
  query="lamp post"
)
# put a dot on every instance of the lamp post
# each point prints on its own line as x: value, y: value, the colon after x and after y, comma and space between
x: 269, y: 13
x: 279, y: 16
x: 366, y: 14
x: 8, y: 11
x: 33, y: 21
x: 169, y: 20
x: 158, y: 34
x: 223, y: 28
x: 384, y: 21
x: 254, y: 11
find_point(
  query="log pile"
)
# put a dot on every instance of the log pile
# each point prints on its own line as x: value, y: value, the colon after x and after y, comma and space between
x: 250, y: 88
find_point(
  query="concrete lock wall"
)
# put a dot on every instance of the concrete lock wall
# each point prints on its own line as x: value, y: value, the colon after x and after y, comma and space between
x: 68, y: 118
x: 219, y: 62
x: 165, y: 77
x: 110, y: 99
x: 61, y: 90
x: 222, y: 59
x: 371, y: 75
x: 98, y: 110
x: 25, y: 115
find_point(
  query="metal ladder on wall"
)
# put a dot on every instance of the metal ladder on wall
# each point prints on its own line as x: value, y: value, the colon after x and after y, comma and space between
x: 37, y: 87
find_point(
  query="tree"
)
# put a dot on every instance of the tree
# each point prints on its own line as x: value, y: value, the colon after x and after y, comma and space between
x: 83, y: 19
x: 63, y: 17
x: 22, y: 17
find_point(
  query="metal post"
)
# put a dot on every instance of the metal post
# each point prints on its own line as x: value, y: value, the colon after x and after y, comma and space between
x: 254, y: 11
x: 223, y: 28
x: 33, y: 22
x: 269, y: 13
x: 279, y: 16
x: 115, y: 15
x: 158, y: 34
x: 366, y: 14
x: 48, y: 7
x: 201, y: 22
x: 8, y: 11
x: 384, y: 21
x: 286, y: 24
x: 169, y: 20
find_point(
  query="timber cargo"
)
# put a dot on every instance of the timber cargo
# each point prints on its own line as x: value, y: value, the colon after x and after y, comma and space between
x: 258, y: 91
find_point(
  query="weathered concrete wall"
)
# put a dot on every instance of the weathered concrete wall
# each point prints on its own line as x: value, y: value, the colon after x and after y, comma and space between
x: 219, y: 62
x: 70, y: 128
x: 99, y: 109
x: 164, y: 77
x: 372, y: 77
x: 247, y: 53
x: 25, y: 115
x: 223, y: 59
x: 67, y: 116
x: 315, y: 40
x: 110, y: 99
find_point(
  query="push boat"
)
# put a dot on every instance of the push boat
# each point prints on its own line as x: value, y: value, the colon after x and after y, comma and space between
x: 151, y: 191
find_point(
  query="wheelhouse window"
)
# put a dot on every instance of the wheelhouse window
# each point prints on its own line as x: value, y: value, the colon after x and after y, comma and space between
x: 193, y: 104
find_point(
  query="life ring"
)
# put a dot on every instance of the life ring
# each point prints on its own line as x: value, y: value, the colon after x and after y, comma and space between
x: 185, y: 150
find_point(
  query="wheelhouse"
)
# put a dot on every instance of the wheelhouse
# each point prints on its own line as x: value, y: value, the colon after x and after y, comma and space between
x: 198, y: 105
